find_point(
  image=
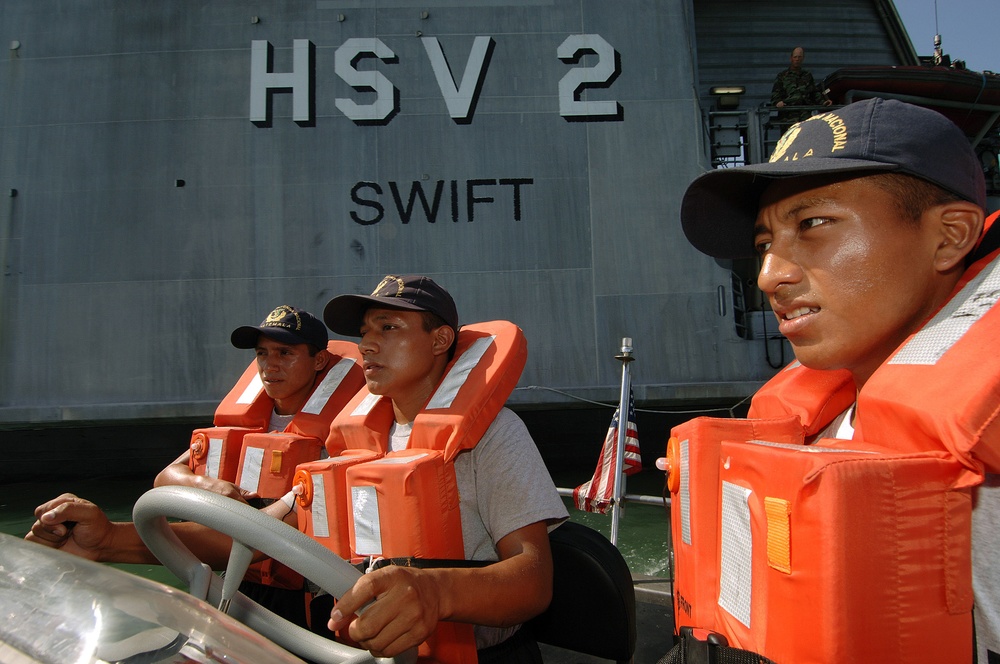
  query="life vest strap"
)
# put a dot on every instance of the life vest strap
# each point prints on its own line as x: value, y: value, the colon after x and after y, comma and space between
x: 699, y: 646
x: 989, y: 241
x: 373, y: 563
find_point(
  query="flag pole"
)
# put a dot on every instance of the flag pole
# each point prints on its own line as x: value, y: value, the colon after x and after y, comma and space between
x: 625, y: 357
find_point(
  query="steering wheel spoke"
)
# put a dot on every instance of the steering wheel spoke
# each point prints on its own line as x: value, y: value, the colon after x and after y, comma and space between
x: 240, y: 557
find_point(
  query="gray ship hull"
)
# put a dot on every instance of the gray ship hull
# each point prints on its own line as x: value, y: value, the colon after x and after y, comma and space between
x: 174, y: 169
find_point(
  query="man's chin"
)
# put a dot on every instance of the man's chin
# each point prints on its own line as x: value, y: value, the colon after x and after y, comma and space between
x: 812, y: 357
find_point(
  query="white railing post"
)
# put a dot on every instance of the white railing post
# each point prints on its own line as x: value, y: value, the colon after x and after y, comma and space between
x: 625, y: 357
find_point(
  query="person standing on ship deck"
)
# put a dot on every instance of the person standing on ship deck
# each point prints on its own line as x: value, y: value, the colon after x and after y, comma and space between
x: 795, y: 86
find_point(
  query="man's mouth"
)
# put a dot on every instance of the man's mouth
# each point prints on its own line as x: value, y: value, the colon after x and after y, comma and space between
x: 795, y: 313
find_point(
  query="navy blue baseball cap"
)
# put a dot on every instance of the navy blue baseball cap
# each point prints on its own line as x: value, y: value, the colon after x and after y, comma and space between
x: 344, y: 314
x: 719, y: 209
x: 286, y: 324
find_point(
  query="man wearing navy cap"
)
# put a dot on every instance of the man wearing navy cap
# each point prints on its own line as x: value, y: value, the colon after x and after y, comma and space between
x: 290, y: 344
x: 865, y: 220
x: 291, y: 350
x: 408, y: 328
x: 290, y: 347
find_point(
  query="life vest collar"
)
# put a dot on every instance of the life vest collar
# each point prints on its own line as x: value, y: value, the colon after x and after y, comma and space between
x: 938, y: 391
x: 248, y: 405
x: 476, y: 384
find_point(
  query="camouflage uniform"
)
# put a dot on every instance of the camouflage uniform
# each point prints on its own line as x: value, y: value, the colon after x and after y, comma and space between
x: 795, y: 88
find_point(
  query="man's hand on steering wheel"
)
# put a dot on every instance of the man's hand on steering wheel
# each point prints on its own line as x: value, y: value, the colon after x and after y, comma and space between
x: 406, y: 606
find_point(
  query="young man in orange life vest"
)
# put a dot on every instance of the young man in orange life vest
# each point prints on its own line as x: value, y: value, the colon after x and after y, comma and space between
x: 865, y: 220
x: 408, y: 328
x: 290, y: 345
x: 291, y: 351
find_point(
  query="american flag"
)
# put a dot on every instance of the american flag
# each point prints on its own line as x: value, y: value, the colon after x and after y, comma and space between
x: 597, y: 494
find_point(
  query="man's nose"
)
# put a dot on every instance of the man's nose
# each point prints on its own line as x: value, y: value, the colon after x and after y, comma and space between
x: 775, y: 271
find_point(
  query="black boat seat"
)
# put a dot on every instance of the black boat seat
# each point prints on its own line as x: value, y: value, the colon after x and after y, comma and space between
x: 593, y: 601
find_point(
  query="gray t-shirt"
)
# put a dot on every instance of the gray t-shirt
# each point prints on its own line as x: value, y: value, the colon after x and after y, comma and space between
x: 503, y: 485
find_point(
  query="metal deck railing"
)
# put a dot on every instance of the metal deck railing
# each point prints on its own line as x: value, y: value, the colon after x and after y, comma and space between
x: 749, y: 135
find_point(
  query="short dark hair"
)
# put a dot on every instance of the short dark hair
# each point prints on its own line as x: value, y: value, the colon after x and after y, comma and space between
x: 913, y: 195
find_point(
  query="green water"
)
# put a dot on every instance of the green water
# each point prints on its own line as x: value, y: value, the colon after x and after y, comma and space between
x: 642, y: 529
x: 641, y: 539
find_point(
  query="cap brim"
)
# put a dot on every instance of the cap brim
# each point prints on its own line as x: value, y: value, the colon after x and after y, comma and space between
x: 246, y: 336
x: 344, y: 314
x: 719, y: 208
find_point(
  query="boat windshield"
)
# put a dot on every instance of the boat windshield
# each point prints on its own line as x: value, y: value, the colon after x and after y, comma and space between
x: 59, y: 608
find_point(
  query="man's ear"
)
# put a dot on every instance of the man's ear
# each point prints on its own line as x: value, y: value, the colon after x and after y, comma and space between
x: 443, y: 338
x: 321, y: 359
x: 961, y: 224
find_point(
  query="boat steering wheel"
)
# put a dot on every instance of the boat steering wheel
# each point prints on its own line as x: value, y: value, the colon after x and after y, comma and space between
x: 250, y: 529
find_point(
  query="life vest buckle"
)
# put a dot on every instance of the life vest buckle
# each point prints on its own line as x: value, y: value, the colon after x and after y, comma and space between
x: 703, y: 646
x: 705, y: 635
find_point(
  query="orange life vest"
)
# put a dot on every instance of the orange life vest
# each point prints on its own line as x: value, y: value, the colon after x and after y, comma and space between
x: 856, y: 550
x: 406, y: 503
x: 940, y: 387
x: 239, y: 448
x: 320, y: 486
x: 218, y: 451
x: 488, y: 361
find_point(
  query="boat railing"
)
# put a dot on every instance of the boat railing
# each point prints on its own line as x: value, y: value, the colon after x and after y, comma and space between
x: 635, y: 498
x: 638, y: 498
x: 748, y: 136
x: 616, y: 498
x: 772, y: 122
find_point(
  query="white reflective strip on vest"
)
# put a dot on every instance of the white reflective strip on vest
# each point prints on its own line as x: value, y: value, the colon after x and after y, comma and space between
x: 253, y: 460
x: 954, y: 320
x: 735, y: 574
x: 252, y: 391
x: 214, y: 461
x: 367, y: 527
x: 321, y: 527
x: 809, y: 449
x: 684, y: 493
x: 365, y: 406
x: 453, y: 382
x: 331, y: 381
